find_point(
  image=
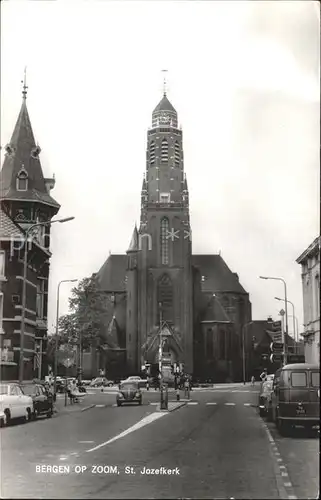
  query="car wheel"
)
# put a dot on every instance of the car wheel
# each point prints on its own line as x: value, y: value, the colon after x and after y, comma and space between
x: 118, y: 403
x: 6, y: 418
x: 49, y: 413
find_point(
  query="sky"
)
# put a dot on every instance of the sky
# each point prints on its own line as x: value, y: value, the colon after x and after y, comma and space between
x: 244, y: 78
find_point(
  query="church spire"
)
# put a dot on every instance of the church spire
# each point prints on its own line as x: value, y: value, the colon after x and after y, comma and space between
x: 133, y: 246
x: 24, y: 87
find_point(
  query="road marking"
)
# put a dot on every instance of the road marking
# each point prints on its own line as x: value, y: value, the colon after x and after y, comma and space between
x: 87, y: 407
x: 100, y: 406
x: 63, y: 458
x: 86, y: 442
x: 114, y: 405
x: 154, y: 404
x: 211, y: 403
x: 230, y: 404
x: 192, y: 403
x: 247, y: 404
x: 284, y: 485
x: 145, y: 421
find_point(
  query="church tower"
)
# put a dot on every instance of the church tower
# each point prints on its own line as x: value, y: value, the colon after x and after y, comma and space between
x: 164, y: 242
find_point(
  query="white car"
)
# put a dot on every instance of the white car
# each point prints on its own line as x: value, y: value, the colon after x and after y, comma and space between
x: 14, y: 403
x: 141, y: 381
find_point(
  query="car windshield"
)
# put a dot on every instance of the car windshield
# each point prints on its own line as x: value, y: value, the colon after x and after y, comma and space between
x: 129, y: 386
x: 29, y: 390
x: 3, y: 389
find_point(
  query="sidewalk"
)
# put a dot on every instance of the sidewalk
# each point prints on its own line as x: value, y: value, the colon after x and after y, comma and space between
x: 60, y: 408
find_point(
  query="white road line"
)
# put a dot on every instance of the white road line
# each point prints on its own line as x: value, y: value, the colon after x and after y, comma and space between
x: 193, y: 403
x: 247, y: 404
x: 154, y: 404
x: 211, y: 403
x: 86, y: 442
x: 145, y: 421
x: 100, y: 406
x: 229, y: 404
x: 115, y: 404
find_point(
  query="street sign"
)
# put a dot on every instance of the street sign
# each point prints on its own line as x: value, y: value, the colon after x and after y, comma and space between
x: 276, y: 358
x: 296, y: 358
x: 276, y: 326
x: 277, y: 347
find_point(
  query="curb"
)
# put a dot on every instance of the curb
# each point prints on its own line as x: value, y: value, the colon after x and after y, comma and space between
x: 87, y: 407
x: 173, y: 408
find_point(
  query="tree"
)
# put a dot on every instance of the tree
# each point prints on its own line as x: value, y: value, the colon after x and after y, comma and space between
x: 90, y: 310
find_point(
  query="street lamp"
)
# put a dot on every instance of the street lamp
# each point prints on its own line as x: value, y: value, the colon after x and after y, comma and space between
x: 24, y: 283
x: 57, y: 331
x: 293, y: 317
x: 286, y: 312
x: 243, y: 347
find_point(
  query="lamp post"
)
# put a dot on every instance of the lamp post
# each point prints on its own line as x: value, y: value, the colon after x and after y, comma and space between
x: 57, y: 331
x: 286, y: 313
x: 243, y: 348
x: 293, y: 316
x: 24, y: 287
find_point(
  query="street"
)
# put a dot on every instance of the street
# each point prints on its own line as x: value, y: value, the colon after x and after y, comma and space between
x: 215, y: 446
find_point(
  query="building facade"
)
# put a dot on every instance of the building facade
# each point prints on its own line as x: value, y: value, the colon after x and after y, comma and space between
x: 25, y: 200
x: 159, y: 287
x: 310, y: 273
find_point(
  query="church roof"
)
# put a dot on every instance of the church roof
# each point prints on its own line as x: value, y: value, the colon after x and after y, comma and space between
x: 164, y: 105
x: 22, y: 153
x: 213, y: 311
x: 133, y: 246
x: 217, y: 275
x: 111, y: 276
x: 8, y: 228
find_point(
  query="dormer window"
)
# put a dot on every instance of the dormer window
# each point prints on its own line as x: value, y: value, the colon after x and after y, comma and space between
x: 22, y: 180
x: 35, y: 152
x: 9, y: 150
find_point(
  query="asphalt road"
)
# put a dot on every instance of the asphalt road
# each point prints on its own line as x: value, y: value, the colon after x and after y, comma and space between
x: 216, y: 447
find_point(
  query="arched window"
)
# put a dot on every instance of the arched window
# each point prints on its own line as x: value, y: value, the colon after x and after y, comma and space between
x: 222, y: 344
x: 165, y: 298
x: 164, y: 151
x: 164, y: 241
x: 177, y: 154
x: 152, y: 152
x: 22, y: 181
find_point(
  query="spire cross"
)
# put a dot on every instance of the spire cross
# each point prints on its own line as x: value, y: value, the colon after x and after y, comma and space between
x: 164, y: 71
x: 24, y: 87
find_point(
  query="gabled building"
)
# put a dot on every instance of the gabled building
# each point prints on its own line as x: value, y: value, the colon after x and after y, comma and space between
x: 310, y: 273
x: 25, y: 200
x: 159, y: 281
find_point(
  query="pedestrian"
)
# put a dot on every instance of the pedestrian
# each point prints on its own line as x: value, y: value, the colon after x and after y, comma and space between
x: 147, y: 384
x: 186, y: 386
x: 252, y: 380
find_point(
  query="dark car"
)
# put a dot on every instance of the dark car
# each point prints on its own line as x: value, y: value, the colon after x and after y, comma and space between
x: 265, y: 399
x: 129, y: 392
x: 42, y: 399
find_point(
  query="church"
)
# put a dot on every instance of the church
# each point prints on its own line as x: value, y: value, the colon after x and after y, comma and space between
x: 159, y: 289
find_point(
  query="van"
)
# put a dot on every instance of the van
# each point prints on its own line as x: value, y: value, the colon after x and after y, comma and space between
x: 296, y: 396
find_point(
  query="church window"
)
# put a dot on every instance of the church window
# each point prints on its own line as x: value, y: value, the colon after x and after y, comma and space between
x: 22, y: 181
x: 177, y: 154
x: 164, y: 151
x: 222, y: 344
x: 152, y: 152
x: 164, y: 240
x: 165, y: 298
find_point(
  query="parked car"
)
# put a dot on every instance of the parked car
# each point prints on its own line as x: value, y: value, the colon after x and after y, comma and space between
x: 101, y: 381
x: 41, y: 398
x: 265, y: 403
x: 14, y: 403
x: 129, y: 392
x: 135, y: 378
x: 295, y: 399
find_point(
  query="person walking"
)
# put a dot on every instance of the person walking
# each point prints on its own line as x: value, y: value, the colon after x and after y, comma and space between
x: 186, y: 387
x: 252, y: 380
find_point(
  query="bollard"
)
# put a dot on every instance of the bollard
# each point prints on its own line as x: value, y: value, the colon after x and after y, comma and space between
x: 164, y: 398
